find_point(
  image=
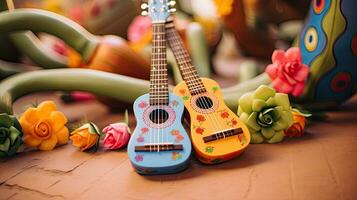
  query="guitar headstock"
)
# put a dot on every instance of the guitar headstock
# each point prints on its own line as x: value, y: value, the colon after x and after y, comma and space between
x: 158, y: 10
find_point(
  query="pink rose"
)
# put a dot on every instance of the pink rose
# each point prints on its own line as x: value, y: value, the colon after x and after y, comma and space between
x: 287, y: 72
x: 116, y: 136
x: 138, y: 28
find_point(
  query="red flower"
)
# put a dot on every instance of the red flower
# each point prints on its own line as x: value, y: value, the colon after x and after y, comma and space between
x: 200, y: 118
x: 199, y: 130
x: 144, y: 130
x: 297, y: 129
x: 287, y: 72
x: 234, y: 122
x: 224, y: 114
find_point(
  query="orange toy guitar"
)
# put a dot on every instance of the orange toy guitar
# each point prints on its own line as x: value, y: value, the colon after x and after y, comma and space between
x: 217, y: 134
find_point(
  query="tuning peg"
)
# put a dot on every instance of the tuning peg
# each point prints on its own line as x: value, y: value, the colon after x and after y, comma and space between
x: 172, y: 10
x: 144, y: 6
x: 171, y: 3
x: 144, y: 13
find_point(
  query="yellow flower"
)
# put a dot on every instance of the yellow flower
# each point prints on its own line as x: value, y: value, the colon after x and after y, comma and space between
x: 44, y: 126
x: 298, y: 127
x: 85, y: 137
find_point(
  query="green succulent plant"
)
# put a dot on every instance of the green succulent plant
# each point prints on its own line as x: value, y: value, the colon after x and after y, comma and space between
x: 266, y: 114
x: 10, y: 135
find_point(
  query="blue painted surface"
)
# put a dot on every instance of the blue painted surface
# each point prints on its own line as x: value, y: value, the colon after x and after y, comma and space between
x: 163, y: 162
x: 314, y: 20
x: 346, y: 61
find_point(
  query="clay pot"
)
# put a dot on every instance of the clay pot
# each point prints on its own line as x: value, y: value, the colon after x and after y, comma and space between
x: 113, y: 54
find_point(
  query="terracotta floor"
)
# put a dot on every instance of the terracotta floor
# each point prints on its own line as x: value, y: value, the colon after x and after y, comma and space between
x: 321, y: 165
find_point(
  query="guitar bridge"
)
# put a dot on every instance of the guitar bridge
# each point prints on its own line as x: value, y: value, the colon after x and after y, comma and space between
x: 159, y: 147
x: 222, y: 135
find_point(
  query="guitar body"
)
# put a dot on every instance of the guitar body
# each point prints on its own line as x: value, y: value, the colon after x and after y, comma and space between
x: 148, y: 132
x: 205, y: 122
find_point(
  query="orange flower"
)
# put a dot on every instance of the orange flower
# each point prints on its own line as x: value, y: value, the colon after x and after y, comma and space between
x: 298, y: 127
x: 85, y: 137
x: 44, y: 126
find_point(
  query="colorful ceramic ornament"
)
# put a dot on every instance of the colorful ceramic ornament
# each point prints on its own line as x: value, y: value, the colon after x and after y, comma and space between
x: 329, y: 47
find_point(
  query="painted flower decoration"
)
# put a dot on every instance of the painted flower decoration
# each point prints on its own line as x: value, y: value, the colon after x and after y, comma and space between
x: 44, y: 127
x: 86, y: 137
x: 116, y: 136
x: 266, y: 113
x: 200, y: 118
x: 298, y: 127
x: 10, y: 135
x: 287, y: 72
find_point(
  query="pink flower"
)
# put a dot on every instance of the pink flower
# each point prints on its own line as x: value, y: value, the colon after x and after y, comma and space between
x: 287, y: 72
x: 116, y: 136
x: 142, y: 104
x: 138, y: 28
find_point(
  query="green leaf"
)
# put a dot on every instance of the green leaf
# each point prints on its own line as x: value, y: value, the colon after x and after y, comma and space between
x: 276, y: 113
x: 245, y: 102
x: 256, y: 138
x: 5, y: 120
x: 252, y: 121
x: 5, y: 146
x: 94, y: 129
x: 240, y: 111
x: 244, y: 117
x: 16, y: 122
x: 215, y: 88
x: 258, y: 105
x: 280, y: 124
x: 289, y: 118
x: 91, y: 129
x: 185, y: 98
x: 270, y: 102
x: 278, y: 137
x: 268, y: 132
x: 263, y: 92
x: 16, y: 145
x: 304, y: 113
x: 14, y: 134
x: 282, y: 100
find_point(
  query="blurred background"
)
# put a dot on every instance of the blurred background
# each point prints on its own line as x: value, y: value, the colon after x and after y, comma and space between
x: 235, y: 32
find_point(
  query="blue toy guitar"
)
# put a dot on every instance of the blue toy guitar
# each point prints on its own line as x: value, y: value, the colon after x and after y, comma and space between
x: 159, y: 143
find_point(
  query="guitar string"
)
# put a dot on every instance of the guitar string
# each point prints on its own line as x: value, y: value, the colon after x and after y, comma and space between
x: 161, y: 112
x: 217, y: 123
x: 154, y: 84
x: 158, y: 85
x: 163, y: 40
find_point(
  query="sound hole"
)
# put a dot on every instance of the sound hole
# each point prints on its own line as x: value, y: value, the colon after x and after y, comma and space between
x: 204, y: 102
x: 159, y: 116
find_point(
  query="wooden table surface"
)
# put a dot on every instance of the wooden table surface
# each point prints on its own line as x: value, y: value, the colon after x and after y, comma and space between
x: 320, y: 165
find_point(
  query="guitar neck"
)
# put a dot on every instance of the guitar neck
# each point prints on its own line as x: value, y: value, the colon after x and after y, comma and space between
x: 159, y: 91
x: 188, y: 71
